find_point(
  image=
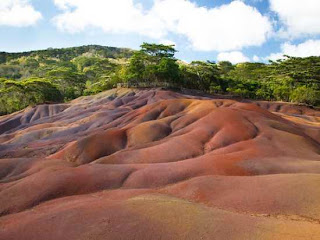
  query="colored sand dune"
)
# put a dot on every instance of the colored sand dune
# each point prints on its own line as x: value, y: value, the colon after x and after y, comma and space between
x: 154, y: 164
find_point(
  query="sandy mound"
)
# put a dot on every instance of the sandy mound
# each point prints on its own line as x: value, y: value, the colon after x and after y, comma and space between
x: 153, y: 164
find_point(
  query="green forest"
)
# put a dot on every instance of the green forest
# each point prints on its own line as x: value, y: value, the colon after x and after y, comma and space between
x: 59, y: 75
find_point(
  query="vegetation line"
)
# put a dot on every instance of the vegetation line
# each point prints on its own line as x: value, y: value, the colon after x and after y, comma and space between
x: 58, y: 75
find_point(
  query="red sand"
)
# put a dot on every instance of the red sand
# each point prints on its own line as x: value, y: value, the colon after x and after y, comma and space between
x: 152, y: 164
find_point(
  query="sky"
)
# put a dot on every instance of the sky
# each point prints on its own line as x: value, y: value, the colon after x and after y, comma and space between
x: 215, y: 30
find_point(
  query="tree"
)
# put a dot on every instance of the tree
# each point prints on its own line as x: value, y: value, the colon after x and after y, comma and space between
x: 225, y: 67
x: 153, y: 63
x: 137, y: 67
x: 203, y: 75
x: 303, y: 94
x: 158, y: 51
x: 16, y: 95
x: 168, y: 70
x: 70, y: 82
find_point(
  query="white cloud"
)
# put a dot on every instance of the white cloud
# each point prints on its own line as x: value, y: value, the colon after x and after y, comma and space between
x: 115, y: 16
x: 167, y: 42
x: 233, y: 57
x: 256, y: 58
x: 305, y: 49
x: 299, y: 17
x: 18, y: 13
x: 228, y: 27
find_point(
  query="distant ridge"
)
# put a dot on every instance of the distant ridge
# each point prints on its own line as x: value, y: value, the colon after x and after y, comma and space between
x: 69, y: 53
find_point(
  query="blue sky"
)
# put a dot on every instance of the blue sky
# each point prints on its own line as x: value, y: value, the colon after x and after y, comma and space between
x: 246, y: 30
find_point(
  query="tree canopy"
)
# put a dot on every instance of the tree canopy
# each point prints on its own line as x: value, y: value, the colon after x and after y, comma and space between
x: 153, y: 63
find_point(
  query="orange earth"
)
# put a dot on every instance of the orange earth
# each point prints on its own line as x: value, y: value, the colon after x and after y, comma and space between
x: 154, y: 164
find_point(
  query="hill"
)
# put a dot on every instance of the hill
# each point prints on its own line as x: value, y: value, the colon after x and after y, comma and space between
x: 57, y: 75
x: 68, y: 54
x: 155, y: 164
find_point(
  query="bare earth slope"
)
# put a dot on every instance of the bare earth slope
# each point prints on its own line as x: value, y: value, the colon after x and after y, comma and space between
x: 153, y: 164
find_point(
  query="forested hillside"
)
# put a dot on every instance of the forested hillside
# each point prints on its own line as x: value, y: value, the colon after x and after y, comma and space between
x: 57, y: 75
